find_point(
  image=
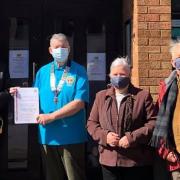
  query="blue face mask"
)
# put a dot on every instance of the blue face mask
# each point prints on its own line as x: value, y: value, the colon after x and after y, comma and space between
x: 120, y: 82
x: 177, y: 63
x: 60, y: 55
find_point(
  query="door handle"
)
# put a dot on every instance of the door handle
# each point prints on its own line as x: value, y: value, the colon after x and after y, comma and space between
x: 34, y: 70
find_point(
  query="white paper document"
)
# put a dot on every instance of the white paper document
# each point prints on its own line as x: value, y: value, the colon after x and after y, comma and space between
x: 26, y: 105
x: 96, y: 66
x: 19, y: 63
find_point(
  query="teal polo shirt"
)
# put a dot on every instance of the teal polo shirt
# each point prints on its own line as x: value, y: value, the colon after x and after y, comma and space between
x: 69, y: 130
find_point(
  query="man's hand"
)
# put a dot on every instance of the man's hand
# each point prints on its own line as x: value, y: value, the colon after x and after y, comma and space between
x: 13, y: 90
x: 112, y: 139
x: 44, y: 118
x: 123, y: 142
x: 171, y: 157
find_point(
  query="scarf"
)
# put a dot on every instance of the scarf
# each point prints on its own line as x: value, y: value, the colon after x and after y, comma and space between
x: 163, y: 127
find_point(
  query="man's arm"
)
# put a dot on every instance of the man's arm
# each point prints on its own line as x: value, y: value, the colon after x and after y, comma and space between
x: 68, y: 110
x: 81, y: 96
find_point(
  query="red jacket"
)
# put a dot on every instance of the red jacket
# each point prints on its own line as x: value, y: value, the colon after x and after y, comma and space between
x: 163, y: 151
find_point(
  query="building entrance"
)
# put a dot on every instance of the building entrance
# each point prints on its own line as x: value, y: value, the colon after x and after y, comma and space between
x: 94, y: 30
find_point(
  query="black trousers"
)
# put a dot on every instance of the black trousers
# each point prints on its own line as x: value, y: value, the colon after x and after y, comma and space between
x: 127, y: 173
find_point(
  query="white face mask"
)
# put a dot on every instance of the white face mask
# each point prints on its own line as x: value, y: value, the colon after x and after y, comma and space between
x: 60, y: 54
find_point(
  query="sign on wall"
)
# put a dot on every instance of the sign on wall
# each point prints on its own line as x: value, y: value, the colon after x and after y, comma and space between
x: 96, y: 66
x: 19, y: 63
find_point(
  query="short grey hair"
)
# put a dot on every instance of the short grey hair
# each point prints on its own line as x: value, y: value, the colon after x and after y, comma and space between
x: 173, y: 45
x: 123, y: 61
x: 59, y: 36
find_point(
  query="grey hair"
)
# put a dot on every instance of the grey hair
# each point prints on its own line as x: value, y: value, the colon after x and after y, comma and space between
x: 173, y: 45
x: 123, y: 61
x: 59, y: 36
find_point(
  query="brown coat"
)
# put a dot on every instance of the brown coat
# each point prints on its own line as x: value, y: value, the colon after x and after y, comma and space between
x: 143, y: 121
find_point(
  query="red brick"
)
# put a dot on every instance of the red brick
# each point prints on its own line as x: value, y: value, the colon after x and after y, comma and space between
x: 152, y: 17
x: 165, y: 17
x: 166, y: 65
x: 165, y: 25
x: 159, y: 73
x: 159, y: 9
x: 148, y: 17
x: 154, y: 89
x: 159, y: 25
x: 149, y: 49
x: 141, y: 17
x: 149, y: 33
x: 165, y: 2
x: 166, y: 55
x: 158, y: 41
x: 143, y: 72
x: 154, y: 57
x: 143, y: 56
x: 154, y: 25
x: 166, y: 33
x: 143, y: 65
x: 149, y: 65
x: 148, y: 2
x: 154, y: 64
x: 142, y: 25
x: 142, y: 9
x: 149, y: 81
x: 165, y: 49
x: 159, y: 56
x: 142, y: 41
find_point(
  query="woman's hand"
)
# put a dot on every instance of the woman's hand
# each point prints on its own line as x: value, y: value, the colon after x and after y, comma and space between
x: 112, y: 139
x: 123, y: 142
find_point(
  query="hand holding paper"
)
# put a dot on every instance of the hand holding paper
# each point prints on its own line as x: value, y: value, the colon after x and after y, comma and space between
x: 26, y: 105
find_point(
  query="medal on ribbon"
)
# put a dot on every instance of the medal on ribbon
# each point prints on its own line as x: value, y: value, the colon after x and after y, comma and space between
x: 59, y: 87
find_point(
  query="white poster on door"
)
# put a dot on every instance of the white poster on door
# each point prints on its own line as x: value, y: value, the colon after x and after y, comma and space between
x: 19, y: 63
x: 96, y: 66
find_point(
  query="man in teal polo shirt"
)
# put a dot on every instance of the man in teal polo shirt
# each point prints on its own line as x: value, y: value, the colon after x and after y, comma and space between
x: 63, y: 92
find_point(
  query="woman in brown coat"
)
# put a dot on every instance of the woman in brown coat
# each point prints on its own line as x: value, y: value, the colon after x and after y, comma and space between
x: 122, y: 120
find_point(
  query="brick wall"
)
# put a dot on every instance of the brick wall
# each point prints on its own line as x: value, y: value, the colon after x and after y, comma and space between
x: 151, y: 35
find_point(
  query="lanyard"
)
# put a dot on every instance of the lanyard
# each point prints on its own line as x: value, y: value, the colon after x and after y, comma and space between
x: 59, y: 87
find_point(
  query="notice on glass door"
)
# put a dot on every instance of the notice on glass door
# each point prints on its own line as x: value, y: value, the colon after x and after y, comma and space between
x: 96, y: 66
x: 19, y: 63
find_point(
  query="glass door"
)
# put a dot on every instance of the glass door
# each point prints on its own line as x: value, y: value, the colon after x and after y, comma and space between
x: 19, y: 74
x: 23, y: 148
